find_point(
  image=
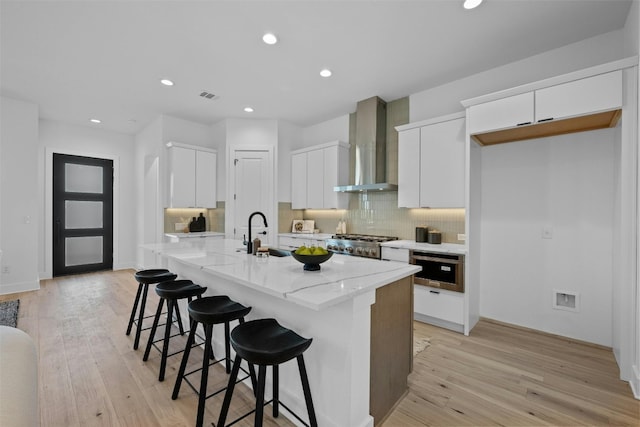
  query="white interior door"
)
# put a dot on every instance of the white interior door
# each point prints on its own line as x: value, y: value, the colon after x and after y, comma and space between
x: 253, y: 191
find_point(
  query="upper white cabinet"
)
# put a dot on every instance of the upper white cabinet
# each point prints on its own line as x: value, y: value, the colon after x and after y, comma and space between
x: 299, y: 181
x: 192, y: 176
x: 314, y: 173
x: 582, y: 104
x: 409, y: 168
x: 442, y: 156
x: 598, y: 93
x: 431, y: 163
x: 502, y: 113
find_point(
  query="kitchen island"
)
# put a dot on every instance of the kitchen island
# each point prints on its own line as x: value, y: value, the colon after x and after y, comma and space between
x: 358, y: 312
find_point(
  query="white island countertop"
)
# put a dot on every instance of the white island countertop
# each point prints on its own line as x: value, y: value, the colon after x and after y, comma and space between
x: 340, y: 278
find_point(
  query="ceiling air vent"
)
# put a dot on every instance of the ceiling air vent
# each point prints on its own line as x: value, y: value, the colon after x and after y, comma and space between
x: 207, y: 95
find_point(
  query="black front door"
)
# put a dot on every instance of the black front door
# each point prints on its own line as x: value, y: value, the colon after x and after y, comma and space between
x: 82, y: 214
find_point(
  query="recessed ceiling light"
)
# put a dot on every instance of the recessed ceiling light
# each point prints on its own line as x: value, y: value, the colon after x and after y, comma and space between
x: 95, y: 121
x: 248, y: 110
x: 471, y: 4
x: 166, y: 82
x: 325, y: 72
x: 270, y: 38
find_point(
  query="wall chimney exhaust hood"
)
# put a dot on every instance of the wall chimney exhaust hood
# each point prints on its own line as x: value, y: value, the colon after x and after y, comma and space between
x: 370, y: 148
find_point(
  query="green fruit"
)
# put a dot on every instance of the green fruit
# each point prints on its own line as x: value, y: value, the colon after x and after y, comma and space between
x: 303, y: 250
x: 321, y: 251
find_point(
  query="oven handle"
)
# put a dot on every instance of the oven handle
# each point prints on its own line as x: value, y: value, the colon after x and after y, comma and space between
x: 430, y: 258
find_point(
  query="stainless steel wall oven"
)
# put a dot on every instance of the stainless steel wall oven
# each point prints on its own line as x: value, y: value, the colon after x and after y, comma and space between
x: 442, y: 271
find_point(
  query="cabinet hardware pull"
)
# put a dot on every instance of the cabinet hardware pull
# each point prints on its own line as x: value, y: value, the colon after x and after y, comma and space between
x: 435, y: 292
x: 545, y: 120
x: 523, y: 123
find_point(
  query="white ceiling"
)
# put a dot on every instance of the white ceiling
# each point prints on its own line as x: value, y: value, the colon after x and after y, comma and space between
x: 104, y: 59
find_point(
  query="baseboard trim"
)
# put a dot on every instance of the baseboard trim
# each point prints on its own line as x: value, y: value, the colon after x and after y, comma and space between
x: 438, y: 322
x: 549, y: 334
x: 13, y: 288
x: 635, y: 382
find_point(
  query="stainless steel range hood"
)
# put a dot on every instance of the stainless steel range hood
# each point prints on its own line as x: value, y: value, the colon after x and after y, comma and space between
x: 370, y: 148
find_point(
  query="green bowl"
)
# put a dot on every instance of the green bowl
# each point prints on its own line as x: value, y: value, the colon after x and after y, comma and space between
x: 311, y: 262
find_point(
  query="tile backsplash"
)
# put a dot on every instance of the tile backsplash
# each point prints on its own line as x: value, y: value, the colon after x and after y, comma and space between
x: 378, y: 214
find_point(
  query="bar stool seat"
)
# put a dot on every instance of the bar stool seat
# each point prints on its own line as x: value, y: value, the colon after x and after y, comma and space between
x: 210, y: 311
x: 170, y: 292
x: 264, y: 342
x: 144, y: 279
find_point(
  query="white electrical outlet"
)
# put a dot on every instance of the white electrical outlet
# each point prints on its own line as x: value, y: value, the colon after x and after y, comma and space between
x: 5, y: 269
x: 547, y: 232
x: 462, y: 237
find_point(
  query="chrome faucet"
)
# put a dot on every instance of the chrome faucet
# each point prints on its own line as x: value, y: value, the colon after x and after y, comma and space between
x: 250, y: 243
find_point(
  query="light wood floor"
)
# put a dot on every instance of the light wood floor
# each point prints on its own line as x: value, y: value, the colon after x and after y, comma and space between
x: 89, y: 374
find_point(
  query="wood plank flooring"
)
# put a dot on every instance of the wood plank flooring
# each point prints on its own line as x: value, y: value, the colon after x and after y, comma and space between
x: 499, y: 375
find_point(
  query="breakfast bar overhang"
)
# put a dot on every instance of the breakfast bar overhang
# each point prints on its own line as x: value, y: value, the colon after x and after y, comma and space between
x: 358, y: 311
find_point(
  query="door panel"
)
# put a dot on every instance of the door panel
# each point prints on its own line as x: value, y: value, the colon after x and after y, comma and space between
x: 82, y: 214
x: 252, y: 193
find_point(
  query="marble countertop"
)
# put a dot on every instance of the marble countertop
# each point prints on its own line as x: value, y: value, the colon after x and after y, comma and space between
x: 445, y: 248
x: 195, y: 234
x: 340, y: 278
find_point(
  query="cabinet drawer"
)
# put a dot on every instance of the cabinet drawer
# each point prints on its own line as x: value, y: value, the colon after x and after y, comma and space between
x: 395, y: 254
x: 440, y: 304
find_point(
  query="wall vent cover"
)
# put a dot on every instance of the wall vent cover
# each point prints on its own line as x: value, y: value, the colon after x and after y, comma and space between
x: 566, y: 300
x: 207, y: 95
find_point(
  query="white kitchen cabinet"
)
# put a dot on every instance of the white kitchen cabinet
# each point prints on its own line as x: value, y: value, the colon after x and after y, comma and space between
x: 192, y: 176
x: 395, y: 254
x: 433, y: 305
x: 589, y: 95
x: 299, y: 181
x: 442, y: 160
x: 315, y: 179
x: 431, y: 163
x: 582, y: 104
x: 322, y: 168
x: 409, y: 168
x: 502, y: 113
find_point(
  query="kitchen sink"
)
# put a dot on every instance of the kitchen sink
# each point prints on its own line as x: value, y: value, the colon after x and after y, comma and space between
x: 272, y: 251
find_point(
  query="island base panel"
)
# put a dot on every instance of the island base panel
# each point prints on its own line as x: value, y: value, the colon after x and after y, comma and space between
x: 391, y: 346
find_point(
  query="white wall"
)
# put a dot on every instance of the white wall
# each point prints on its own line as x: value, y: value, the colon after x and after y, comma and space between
x: 565, y: 183
x: 186, y: 132
x: 445, y: 99
x: 289, y: 135
x: 90, y: 142
x: 18, y: 192
x: 330, y: 130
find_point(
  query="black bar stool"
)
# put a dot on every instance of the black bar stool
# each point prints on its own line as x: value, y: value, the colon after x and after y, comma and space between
x: 146, y: 278
x: 171, y: 292
x: 211, y: 311
x: 265, y: 342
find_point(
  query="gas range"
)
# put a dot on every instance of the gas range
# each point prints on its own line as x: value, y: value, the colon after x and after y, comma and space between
x: 357, y: 244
